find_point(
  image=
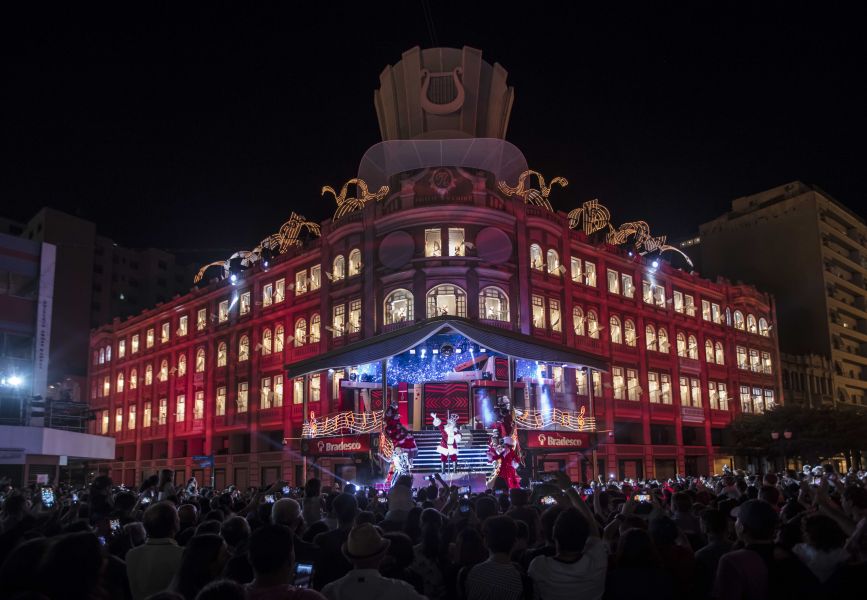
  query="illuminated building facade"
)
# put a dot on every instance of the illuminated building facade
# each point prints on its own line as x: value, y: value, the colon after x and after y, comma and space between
x: 446, y: 253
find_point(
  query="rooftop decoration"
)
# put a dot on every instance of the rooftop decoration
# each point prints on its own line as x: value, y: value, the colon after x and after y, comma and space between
x: 277, y: 243
x: 347, y: 205
x: 593, y: 216
x: 537, y: 197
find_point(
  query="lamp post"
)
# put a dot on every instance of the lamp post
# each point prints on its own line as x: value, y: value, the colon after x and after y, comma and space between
x: 787, y: 435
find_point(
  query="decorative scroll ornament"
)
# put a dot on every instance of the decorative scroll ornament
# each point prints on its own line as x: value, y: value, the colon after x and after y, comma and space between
x: 537, y: 197
x: 347, y: 205
x: 276, y: 243
x: 535, y: 419
x: 593, y: 216
x: 446, y: 96
x: 344, y: 422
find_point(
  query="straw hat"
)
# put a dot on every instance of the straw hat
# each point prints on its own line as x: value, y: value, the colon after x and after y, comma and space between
x: 364, y: 541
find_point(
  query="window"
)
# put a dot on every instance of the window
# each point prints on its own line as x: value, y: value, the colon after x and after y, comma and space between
x: 146, y: 420
x: 739, y: 320
x: 692, y: 347
x: 222, y: 352
x: 338, y: 268
x: 315, y: 388
x: 181, y: 408
x: 554, y: 315
x: 708, y: 351
x: 300, y: 334
x: 149, y: 374
x: 678, y: 301
x: 121, y: 349
x: 315, y: 277
x: 301, y: 282
x: 183, y: 324
x: 244, y: 303
x: 578, y: 320
x: 134, y: 344
x: 106, y: 385
x: 718, y: 395
x: 457, y: 246
x: 764, y: 330
x: 653, y: 293
x: 200, y: 360
x: 632, y: 387
x: 616, y: 333
x: 681, y: 344
x: 769, y: 399
x: 354, y: 316
x: 684, y: 391
x: 742, y: 358
x: 133, y: 379
x: 647, y: 292
x: 267, y: 342
x: 728, y: 316
x: 653, y: 387
x: 267, y: 294
x: 432, y: 242
x: 130, y: 424
x: 105, y: 422
x: 446, y: 300
x: 108, y: 354
x: 223, y: 311
x: 553, y: 262
x: 182, y: 365
x: 719, y: 355
x: 575, y: 271
x: 627, y: 285
x: 665, y: 388
x: 119, y: 386
x: 243, y: 348
x: 149, y: 338
x: 758, y: 406
x: 590, y: 273
x: 338, y: 319
x: 398, y: 307
x: 266, y: 394
x: 705, y: 310
x: 243, y: 396
x: 538, y: 303
x: 279, y: 335
x: 164, y: 370
x: 199, y: 406
x: 629, y: 333
x: 536, y: 257
x: 715, y: 313
x: 755, y: 364
x: 662, y: 337
x: 650, y: 337
x: 163, y: 415
x: 695, y: 392
x: 221, y: 401
x: 298, y: 390
x: 752, y: 327
x: 315, y: 326
x: 766, y: 363
x: 617, y: 382
x: 280, y: 290
x: 689, y: 305
x: 201, y: 319
x: 581, y: 382
x: 278, y: 391
x: 164, y: 333
x: 613, y: 282
x: 592, y: 324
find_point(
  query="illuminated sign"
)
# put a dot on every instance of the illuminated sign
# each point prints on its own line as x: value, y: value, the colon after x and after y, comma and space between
x: 337, y: 446
x: 557, y: 440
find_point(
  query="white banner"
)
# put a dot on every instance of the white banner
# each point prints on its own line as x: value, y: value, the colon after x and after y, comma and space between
x: 43, y: 320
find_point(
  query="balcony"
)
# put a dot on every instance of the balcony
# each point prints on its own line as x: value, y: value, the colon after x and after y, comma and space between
x: 395, y: 326
x: 507, y: 325
x: 305, y: 351
x: 587, y: 343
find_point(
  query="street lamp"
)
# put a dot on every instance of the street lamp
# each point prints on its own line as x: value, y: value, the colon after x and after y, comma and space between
x: 787, y: 435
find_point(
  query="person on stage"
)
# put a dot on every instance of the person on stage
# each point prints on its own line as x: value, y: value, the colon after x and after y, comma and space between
x: 450, y: 437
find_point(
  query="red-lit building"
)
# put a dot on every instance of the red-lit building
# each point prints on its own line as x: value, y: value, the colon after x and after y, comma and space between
x: 612, y: 354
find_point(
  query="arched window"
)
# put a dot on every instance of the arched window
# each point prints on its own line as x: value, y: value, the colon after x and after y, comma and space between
x: 315, y: 326
x: 398, y: 307
x: 108, y: 354
x: 681, y: 344
x: 493, y: 304
x: 300, y: 332
x: 536, y: 257
x: 120, y: 381
x: 164, y: 370
x: 182, y: 365
x: 133, y: 379
x: 728, y: 316
x: 338, y: 268
x: 354, y: 262
x: 446, y: 299
x: 243, y: 348
x: 102, y: 356
x: 764, y: 329
x: 267, y: 341
x: 592, y: 324
x: 739, y: 320
x: 629, y: 332
x: 578, y: 320
x: 692, y: 347
x: 708, y: 351
x: 200, y: 360
x: 662, y: 338
x: 719, y: 355
x: 650, y: 337
x: 553, y: 260
x: 279, y: 334
x: 751, y: 324
x: 222, y: 352
x: 149, y: 374
x: 616, y: 333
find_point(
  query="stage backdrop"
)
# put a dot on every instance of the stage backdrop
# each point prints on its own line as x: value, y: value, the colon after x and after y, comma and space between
x: 447, y: 396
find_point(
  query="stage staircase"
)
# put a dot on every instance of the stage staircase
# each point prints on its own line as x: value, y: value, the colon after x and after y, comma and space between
x: 472, y: 457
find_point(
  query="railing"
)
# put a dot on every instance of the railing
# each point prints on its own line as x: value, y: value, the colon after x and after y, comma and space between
x: 497, y: 323
x: 396, y: 326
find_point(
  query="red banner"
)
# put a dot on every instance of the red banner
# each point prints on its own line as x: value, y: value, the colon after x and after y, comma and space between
x: 336, y: 446
x: 557, y: 440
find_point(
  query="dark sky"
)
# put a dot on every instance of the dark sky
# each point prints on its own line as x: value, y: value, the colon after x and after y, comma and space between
x: 202, y: 130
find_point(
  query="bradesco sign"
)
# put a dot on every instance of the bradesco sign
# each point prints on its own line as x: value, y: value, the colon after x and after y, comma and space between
x: 333, y: 446
x: 557, y: 440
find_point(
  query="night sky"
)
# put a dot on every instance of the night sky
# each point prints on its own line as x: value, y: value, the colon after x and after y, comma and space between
x: 200, y: 131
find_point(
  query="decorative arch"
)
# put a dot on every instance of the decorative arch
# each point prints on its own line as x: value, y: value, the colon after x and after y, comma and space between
x: 398, y: 306
x: 616, y: 332
x: 446, y: 299
x: 493, y: 304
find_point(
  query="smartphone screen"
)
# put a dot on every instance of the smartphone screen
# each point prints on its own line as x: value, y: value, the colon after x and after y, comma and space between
x: 464, y: 490
x: 47, y: 497
x: 269, y: 498
x: 548, y: 500
x: 303, y: 575
x: 642, y: 497
x: 74, y: 497
x: 115, y: 525
x: 285, y: 490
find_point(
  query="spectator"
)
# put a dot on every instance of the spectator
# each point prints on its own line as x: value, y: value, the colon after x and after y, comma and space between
x: 236, y: 531
x: 430, y: 554
x: 715, y: 527
x: 546, y: 526
x: 222, y: 589
x: 20, y: 570
x: 202, y: 562
x: 675, y: 552
x: 398, y: 558
x: 521, y: 510
x: 822, y: 550
x: 72, y: 567
x: 637, y: 560
x: 496, y: 578
x: 470, y: 550
x: 165, y: 487
x: 287, y: 511
x: 152, y: 566
x: 330, y: 563
x: 366, y: 548
x: 271, y: 556
x: 312, y: 511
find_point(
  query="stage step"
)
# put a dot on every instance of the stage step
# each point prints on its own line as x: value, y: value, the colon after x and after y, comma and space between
x: 472, y: 452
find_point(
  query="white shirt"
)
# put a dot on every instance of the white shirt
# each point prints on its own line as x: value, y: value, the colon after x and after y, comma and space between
x: 584, y: 578
x: 151, y: 566
x: 368, y: 583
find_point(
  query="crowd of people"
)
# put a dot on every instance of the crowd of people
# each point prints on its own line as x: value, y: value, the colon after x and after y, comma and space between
x: 787, y: 535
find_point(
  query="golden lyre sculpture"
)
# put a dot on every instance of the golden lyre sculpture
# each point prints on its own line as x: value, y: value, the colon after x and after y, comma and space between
x: 593, y: 216
x: 347, y: 205
x: 277, y: 243
x: 531, y: 195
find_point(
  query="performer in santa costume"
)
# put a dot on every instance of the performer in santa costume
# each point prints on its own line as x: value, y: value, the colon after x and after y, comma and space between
x: 501, y: 452
x: 450, y: 437
x: 396, y: 432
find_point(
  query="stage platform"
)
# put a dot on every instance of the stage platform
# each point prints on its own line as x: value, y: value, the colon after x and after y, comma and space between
x: 475, y: 481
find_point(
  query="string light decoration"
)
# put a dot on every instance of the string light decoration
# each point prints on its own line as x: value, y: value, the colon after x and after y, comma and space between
x: 537, y: 419
x: 277, y: 243
x: 536, y: 197
x: 347, y: 422
x: 347, y: 205
x: 593, y: 216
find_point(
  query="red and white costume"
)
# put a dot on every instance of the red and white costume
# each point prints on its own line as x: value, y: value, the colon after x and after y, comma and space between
x: 509, y: 461
x: 450, y: 437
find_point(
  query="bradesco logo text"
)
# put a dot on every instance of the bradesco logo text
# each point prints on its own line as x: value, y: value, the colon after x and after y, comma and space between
x: 338, y: 447
x: 550, y: 440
